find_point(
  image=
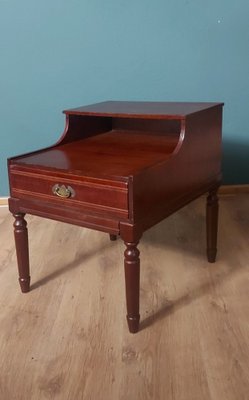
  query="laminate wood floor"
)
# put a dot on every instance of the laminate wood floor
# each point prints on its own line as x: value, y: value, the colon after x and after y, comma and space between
x: 68, y: 339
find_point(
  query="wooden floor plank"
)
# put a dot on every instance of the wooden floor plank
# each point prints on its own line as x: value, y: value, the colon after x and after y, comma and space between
x: 68, y: 339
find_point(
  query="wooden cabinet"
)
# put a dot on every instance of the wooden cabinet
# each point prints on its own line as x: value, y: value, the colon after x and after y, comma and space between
x: 121, y: 167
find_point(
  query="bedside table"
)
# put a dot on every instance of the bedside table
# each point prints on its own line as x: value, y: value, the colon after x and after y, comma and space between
x: 120, y: 168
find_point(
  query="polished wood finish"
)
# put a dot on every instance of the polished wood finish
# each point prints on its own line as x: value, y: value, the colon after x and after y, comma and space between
x: 132, y: 284
x: 67, y: 339
x: 22, y: 251
x: 113, y: 237
x: 139, y: 109
x: 212, y: 225
x: 122, y: 167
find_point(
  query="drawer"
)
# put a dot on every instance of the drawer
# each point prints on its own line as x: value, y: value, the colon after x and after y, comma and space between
x: 89, y: 194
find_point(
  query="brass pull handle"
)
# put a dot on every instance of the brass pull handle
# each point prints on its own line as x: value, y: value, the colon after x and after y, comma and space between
x: 63, y: 191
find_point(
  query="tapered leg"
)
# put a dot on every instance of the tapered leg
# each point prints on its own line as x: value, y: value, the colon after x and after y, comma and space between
x: 132, y: 278
x: 22, y: 251
x: 113, y: 237
x: 212, y: 225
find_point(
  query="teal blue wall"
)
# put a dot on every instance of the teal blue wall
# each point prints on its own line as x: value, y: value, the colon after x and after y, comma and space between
x: 57, y: 54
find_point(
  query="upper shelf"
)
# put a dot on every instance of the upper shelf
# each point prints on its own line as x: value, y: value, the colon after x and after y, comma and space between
x: 145, y: 110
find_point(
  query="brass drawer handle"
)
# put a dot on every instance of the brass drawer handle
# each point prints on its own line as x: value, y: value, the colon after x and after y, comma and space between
x: 63, y: 191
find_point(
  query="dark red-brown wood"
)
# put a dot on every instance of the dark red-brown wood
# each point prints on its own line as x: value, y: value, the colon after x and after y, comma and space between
x: 132, y: 279
x: 212, y: 225
x: 113, y: 237
x: 140, y: 109
x: 121, y: 167
x: 22, y: 251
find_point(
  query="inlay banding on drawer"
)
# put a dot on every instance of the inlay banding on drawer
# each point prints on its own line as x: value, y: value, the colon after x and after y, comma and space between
x: 107, y: 197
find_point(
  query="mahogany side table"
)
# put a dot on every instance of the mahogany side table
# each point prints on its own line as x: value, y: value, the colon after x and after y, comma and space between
x: 121, y: 167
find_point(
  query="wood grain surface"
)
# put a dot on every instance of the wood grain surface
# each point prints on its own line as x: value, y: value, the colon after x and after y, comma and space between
x: 68, y: 340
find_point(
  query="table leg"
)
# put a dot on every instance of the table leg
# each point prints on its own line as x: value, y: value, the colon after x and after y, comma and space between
x: 22, y: 251
x: 212, y: 225
x: 132, y: 278
x: 113, y: 237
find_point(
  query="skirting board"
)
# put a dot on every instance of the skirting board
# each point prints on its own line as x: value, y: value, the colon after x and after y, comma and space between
x: 233, y: 189
x: 224, y: 190
x: 3, y: 201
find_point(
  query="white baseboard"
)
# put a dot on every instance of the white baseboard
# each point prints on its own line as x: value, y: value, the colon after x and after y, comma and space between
x: 3, y: 201
x: 233, y: 189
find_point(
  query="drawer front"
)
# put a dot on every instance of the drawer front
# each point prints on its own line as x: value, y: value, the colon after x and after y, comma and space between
x: 100, y: 196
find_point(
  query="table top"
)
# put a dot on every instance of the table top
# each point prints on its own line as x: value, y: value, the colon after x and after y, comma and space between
x: 142, y: 109
x: 114, y: 153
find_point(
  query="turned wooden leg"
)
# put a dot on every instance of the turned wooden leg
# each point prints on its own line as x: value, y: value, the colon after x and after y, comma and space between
x: 132, y: 278
x: 113, y: 237
x: 22, y: 251
x: 212, y: 225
